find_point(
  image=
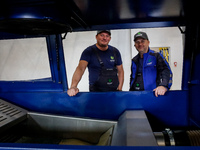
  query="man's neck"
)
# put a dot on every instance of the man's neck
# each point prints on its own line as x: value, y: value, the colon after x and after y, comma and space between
x: 102, y: 48
x: 141, y: 54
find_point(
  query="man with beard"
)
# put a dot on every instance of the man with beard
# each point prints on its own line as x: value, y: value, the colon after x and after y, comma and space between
x: 149, y: 70
x: 104, y: 65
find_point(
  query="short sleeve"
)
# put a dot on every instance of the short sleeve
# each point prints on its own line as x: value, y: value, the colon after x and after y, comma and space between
x: 119, y: 59
x: 86, y: 55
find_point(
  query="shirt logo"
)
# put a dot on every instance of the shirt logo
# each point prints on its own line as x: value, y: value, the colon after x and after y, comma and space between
x: 109, y: 82
x: 149, y: 62
x: 112, y: 59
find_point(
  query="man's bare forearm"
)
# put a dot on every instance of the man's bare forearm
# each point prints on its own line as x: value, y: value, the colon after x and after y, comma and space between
x: 120, y: 77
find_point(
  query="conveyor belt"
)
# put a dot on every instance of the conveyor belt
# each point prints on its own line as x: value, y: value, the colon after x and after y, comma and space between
x: 10, y: 115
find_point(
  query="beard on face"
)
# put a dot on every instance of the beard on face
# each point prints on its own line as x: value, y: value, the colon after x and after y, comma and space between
x: 102, y: 45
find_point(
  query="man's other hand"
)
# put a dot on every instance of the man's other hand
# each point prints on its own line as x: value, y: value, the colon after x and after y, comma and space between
x: 160, y: 90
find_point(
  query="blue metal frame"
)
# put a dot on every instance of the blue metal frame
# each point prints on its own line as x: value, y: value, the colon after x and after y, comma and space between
x: 56, y: 59
x: 58, y: 81
x: 62, y: 68
x: 175, y: 109
x: 134, y: 25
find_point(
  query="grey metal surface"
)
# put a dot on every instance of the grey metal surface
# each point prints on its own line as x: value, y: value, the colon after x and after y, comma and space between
x: 160, y: 138
x: 10, y: 115
x: 171, y: 137
x: 89, y: 130
x: 133, y: 129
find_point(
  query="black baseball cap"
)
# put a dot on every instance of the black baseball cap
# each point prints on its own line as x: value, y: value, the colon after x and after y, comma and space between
x: 141, y: 35
x: 100, y: 31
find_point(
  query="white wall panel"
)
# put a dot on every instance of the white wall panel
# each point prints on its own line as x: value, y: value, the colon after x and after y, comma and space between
x: 76, y: 42
x: 25, y: 59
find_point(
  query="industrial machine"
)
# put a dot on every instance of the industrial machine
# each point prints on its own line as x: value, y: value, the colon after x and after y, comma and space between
x: 132, y: 129
x: 40, y: 115
x: 21, y: 126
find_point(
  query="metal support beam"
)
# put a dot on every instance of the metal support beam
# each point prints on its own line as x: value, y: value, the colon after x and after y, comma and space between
x: 56, y: 59
x: 133, y: 129
x: 61, y: 60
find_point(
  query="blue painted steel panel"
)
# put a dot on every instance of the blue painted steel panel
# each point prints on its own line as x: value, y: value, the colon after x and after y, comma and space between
x: 191, y: 69
x: 171, y: 109
x: 31, y: 86
x: 61, y: 63
x: 57, y: 60
x: 194, y: 91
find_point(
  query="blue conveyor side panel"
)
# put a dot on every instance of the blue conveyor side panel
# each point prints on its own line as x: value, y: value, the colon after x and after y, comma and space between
x: 194, y: 90
x: 171, y: 109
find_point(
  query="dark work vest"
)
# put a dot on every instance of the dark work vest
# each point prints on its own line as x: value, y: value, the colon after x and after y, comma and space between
x: 108, y: 78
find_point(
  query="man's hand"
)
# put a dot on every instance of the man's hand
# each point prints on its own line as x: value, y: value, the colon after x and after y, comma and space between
x: 119, y: 88
x: 160, y: 90
x: 72, y: 91
x: 120, y: 77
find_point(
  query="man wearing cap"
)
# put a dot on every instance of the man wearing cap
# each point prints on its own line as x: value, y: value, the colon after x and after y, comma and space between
x: 149, y: 70
x: 104, y: 65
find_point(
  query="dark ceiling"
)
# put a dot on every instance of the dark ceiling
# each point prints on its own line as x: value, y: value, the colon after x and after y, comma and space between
x: 58, y: 16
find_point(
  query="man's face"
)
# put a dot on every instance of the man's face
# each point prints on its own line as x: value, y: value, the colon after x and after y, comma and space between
x: 103, y: 39
x: 142, y: 45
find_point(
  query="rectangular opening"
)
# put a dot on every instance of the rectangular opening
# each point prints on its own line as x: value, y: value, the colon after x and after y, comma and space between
x: 24, y: 59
